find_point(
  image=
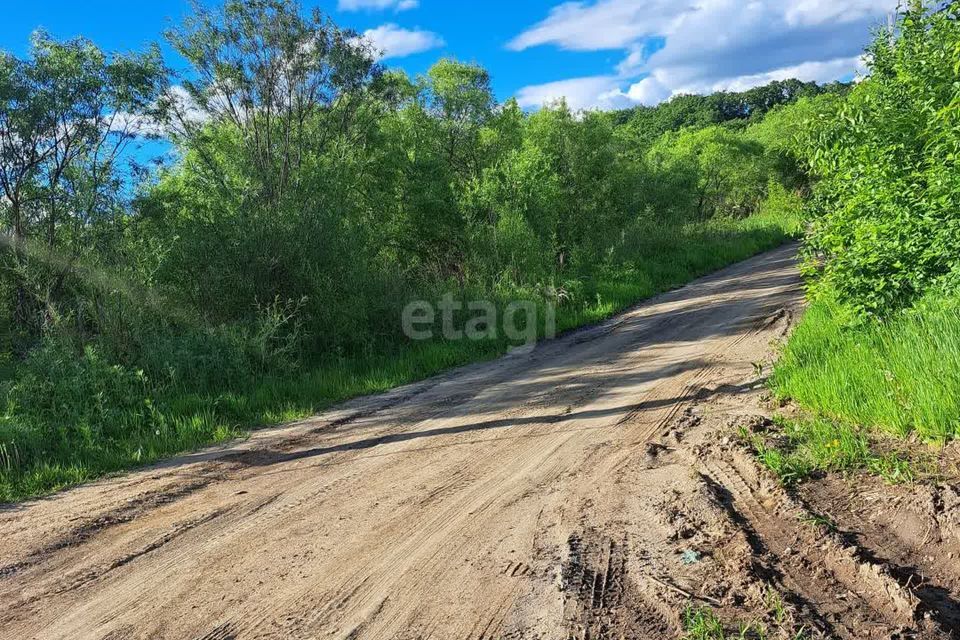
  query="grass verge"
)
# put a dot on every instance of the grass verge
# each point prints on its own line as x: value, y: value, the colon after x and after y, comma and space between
x: 864, y: 388
x: 33, y: 463
x: 902, y: 376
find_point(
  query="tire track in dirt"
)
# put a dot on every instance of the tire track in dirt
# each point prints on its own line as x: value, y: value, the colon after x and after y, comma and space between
x: 80, y: 534
x: 905, y: 529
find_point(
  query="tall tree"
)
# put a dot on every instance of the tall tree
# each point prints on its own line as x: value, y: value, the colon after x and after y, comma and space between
x: 67, y: 113
x: 283, y: 81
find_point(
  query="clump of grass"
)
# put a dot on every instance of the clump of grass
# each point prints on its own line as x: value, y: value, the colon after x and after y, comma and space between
x: 701, y: 623
x: 776, y: 607
x: 790, y: 468
x: 801, y: 447
x: 902, y: 375
x: 817, y: 521
x: 35, y: 462
x: 892, y: 468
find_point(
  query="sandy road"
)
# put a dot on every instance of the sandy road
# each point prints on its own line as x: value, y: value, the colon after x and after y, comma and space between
x: 543, y: 495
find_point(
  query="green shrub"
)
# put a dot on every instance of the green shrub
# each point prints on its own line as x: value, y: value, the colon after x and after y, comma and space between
x: 887, y: 207
x: 69, y: 396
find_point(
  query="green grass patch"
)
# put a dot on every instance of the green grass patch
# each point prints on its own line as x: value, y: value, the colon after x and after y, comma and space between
x: 798, y: 448
x: 118, y: 422
x: 902, y: 375
x: 701, y: 623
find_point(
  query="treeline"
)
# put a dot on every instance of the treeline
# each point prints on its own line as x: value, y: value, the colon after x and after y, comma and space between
x: 881, y: 343
x: 313, y: 195
x: 732, y: 109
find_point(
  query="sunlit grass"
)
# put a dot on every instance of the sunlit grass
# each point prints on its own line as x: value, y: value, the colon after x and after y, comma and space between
x: 796, y: 448
x: 701, y: 623
x: 902, y: 376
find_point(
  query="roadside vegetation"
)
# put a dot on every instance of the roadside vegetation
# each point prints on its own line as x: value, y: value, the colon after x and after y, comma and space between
x: 901, y: 375
x: 260, y: 275
x: 796, y: 449
x: 878, y: 351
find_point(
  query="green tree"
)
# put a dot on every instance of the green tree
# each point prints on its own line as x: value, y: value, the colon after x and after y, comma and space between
x: 886, y: 228
x: 717, y: 171
x: 290, y: 86
x: 460, y: 98
x: 67, y: 113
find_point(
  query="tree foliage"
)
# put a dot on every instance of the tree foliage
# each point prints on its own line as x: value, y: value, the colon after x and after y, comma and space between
x: 67, y: 113
x: 645, y: 124
x: 310, y: 180
x: 886, y: 225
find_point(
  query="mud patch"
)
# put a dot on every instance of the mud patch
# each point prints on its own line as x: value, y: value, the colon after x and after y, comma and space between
x: 907, y: 530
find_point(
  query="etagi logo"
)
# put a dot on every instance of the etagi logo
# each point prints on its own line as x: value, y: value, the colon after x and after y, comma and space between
x: 479, y: 320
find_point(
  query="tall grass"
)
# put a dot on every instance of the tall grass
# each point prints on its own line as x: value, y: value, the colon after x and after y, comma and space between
x: 902, y: 375
x: 155, y: 425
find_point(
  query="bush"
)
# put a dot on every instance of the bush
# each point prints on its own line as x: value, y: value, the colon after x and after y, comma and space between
x: 66, y: 396
x: 715, y: 171
x: 880, y: 345
x: 887, y: 208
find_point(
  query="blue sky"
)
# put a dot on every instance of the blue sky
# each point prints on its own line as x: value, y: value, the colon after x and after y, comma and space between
x: 597, y: 53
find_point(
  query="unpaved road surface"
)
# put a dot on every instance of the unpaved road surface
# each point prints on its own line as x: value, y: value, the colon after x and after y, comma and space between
x: 587, y: 489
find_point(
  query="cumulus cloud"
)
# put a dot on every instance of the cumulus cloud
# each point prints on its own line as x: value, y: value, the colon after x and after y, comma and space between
x: 377, y: 5
x: 580, y: 93
x: 822, y: 72
x: 606, y: 24
x: 396, y: 42
x: 649, y: 92
x: 709, y: 45
x: 183, y: 111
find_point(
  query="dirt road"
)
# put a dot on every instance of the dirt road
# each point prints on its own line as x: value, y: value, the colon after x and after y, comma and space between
x: 583, y: 490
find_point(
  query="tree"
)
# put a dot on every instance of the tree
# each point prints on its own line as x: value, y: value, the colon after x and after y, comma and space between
x: 289, y: 85
x: 784, y: 133
x: 67, y: 113
x: 460, y: 98
x: 885, y: 228
x: 719, y: 172
x: 643, y: 125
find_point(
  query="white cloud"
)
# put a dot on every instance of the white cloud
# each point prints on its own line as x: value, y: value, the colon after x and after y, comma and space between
x: 377, y: 5
x: 649, y: 92
x: 708, y: 45
x: 606, y: 24
x: 808, y: 71
x: 183, y: 108
x: 580, y: 93
x: 817, y: 11
x: 134, y: 124
x: 396, y: 42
